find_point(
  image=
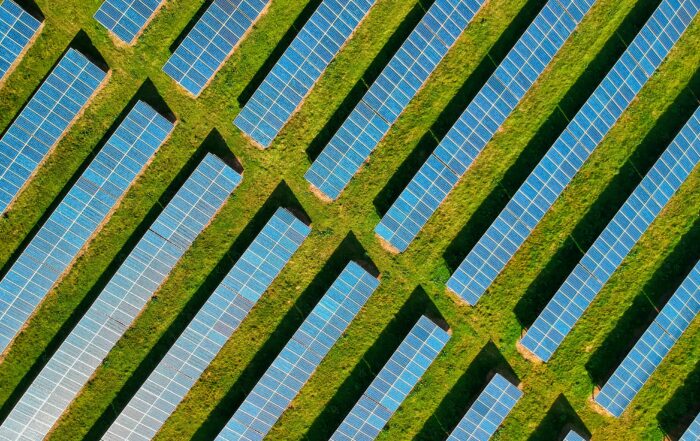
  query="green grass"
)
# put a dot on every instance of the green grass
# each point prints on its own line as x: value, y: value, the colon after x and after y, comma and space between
x: 483, y: 338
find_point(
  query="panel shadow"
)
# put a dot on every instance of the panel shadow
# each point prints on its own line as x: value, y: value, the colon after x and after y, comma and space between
x: 546, y: 135
x: 451, y: 113
x: 282, y: 196
x: 465, y: 391
x: 349, y: 249
x: 362, y: 375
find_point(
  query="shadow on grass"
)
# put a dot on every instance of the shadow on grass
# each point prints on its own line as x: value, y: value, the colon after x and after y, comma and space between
x: 368, y: 77
x: 83, y: 44
x: 645, y: 307
x: 277, y: 52
x: 190, y: 25
x: 451, y: 113
x: 419, y: 303
x: 560, y: 418
x: 606, y: 205
x: 104, y: 278
x: 349, y: 249
x: 32, y: 8
x: 546, y: 135
x: 465, y: 391
x: 282, y: 196
x: 676, y: 415
x: 147, y: 93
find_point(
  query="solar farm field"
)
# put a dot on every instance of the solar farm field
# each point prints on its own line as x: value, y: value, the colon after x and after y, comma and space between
x: 211, y: 182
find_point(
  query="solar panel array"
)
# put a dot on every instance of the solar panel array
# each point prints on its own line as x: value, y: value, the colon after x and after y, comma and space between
x: 389, y: 95
x: 212, y: 40
x: 124, y: 297
x: 693, y: 432
x: 488, y: 411
x: 78, y: 216
x: 44, y: 120
x: 477, y: 125
x: 615, y: 242
x: 573, y: 436
x: 573, y: 147
x: 126, y: 19
x: 301, y: 355
x: 650, y: 350
x: 206, y: 334
x: 17, y: 29
x: 301, y: 65
x: 393, y: 383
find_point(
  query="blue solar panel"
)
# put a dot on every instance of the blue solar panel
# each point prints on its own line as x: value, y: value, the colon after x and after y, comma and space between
x: 615, y: 242
x: 393, y: 383
x: 126, y: 19
x: 17, y: 30
x: 44, y: 120
x: 656, y: 342
x: 301, y: 355
x: 693, y: 432
x: 121, y: 301
x: 215, y: 322
x: 301, y: 65
x: 480, y: 121
x: 78, y: 217
x: 573, y: 436
x: 212, y: 40
x: 488, y: 411
x: 389, y: 95
x: 573, y: 147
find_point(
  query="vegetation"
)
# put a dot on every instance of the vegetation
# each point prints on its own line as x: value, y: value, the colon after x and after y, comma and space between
x: 483, y: 337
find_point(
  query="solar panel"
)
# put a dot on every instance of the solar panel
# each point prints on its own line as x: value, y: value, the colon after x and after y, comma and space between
x: 206, y: 334
x: 17, y: 30
x: 212, y: 40
x: 44, y: 120
x: 573, y: 147
x: 301, y: 65
x: 389, y: 95
x: 301, y: 355
x: 483, y: 116
x: 693, y: 432
x: 573, y: 436
x: 488, y: 411
x: 78, y: 217
x: 393, y: 383
x: 126, y: 19
x: 650, y: 350
x: 615, y: 242
x: 121, y: 301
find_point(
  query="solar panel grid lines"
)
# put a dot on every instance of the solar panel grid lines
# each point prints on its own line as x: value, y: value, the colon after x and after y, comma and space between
x: 44, y: 120
x: 300, y: 67
x: 79, y: 215
x: 126, y: 19
x: 693, y: 431
x: 214, y: 38
x: 573, y: 147
x: 479, y: 122
x: 18, y: 29
x: 488, y: 412
x: 611, y: 247
x: 401, y: 79
x: 302, y: 354
x: 650, y: 350
x: 573, y: 436
x: 209, y: 330
x: 123, y: 298
x: 394, y: 382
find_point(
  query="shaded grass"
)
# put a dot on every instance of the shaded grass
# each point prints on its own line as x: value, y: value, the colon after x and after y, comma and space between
x: 423, y: 265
